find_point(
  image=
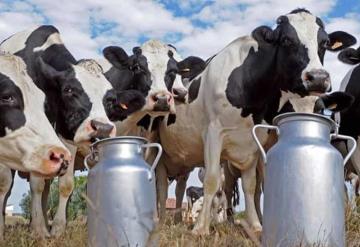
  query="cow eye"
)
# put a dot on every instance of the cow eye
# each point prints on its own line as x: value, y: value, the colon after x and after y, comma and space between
x: 7, y: 99
x: 68, y: 90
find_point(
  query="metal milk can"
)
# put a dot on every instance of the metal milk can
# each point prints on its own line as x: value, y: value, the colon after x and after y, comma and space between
x: 304, y: 183
x: 121, y: 193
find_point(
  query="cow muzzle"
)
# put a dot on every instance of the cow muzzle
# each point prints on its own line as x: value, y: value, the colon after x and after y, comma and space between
x: 162, y: 102
x: 179, y: 94
x: 317, y: 81
x: 101, y: 130
x: 54, y: 163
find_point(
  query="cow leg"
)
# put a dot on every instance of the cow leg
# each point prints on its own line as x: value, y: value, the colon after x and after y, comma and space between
x: 66, y: 186
x: 212, y: 151
x: 38, y: 224
x: 355, y: 158
x: 6, y: 181
x: 44, y: 200
x: 162, y: 189
x: 230, y: 182
x: 248, y: 181
x: 257, y: 196
x: 179, y: 192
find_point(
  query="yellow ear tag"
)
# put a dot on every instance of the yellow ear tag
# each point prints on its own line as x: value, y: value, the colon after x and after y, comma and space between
x: 332, y: 107
x: 123, y: 106
x: 185, y: 70
x: 336, y: 45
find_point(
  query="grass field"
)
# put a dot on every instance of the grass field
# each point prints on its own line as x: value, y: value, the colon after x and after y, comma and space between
x: 18, y: 235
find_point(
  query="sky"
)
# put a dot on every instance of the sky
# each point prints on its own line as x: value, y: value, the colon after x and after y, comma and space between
x: 194, y: 27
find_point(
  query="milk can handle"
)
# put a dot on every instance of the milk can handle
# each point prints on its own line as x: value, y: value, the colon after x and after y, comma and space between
x: 348, y: 138
x: 92, y: 155
x: 156, y: 161
x: 262, y: 151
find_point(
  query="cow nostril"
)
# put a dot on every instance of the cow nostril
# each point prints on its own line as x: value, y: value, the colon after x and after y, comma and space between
x: 179, y: 93
x: 309, y: 76
x: 94, y: 125
x: 54, y: 157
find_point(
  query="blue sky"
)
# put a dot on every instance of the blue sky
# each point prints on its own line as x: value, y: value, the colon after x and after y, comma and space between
x: 195, y: 27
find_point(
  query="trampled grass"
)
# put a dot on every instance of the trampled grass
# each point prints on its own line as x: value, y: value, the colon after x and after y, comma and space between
x: 169, y: 234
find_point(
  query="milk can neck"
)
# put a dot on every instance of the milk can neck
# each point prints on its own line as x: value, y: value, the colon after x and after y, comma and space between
x: 305, y: 129
x: 122, y: 148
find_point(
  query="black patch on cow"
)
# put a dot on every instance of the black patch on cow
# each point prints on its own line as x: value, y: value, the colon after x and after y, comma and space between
x: 115, y: 103
x: 191, y: 67
x: 128, y: 72
x: 12, y: 115
x: 194, y: 193
x: 146, y: 120
x: 194, y: 89
x: 277, y: 65
x: 171, y: 71
x: 300, y: 10
x: 350, y: 118
x: 171, y: 119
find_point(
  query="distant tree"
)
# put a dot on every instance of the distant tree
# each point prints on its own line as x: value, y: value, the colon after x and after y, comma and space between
x: 25, y: 205
x: 76, y: 205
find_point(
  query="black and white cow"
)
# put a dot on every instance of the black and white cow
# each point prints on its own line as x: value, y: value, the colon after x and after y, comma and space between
x: 76, y: 93
x: 350, y: 119
x: 195, y: 195
x: 28, y: 141
x: 247, y: 83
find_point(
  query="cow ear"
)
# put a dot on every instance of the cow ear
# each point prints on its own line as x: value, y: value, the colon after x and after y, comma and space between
x: 340, y: 40
x: 337, y: 101
x: 116, y: 56
x: 48, y: 71
x: 264, y: 34
x: 350, y: 56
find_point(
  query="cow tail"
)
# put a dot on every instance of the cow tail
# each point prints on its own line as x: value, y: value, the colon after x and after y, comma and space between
x: 236, y: 195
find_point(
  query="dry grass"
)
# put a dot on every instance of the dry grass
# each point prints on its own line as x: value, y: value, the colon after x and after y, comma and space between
x: 169, y: 234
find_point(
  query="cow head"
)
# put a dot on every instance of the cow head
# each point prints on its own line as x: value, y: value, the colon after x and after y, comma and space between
x: 298, y: 44
x: 151, y: 71
x: 28, y: 141
x: 75, y: 101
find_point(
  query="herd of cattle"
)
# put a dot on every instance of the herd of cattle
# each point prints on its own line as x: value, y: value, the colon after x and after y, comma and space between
x: 53, y: 106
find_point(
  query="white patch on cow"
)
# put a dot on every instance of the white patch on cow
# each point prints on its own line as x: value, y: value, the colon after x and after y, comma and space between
x: 25, y: 148
x: 300, y: 104
x: 8, y: 131
x: 307, y: 31
x: 95, y: 85
x: 105, y: 64
x: 53, y: 39
x: 16, y: 42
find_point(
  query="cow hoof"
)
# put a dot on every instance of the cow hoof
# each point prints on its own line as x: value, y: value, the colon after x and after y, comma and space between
x: 57, y: 228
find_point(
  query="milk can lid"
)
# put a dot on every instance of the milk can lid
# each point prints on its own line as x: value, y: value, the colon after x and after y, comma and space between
x: 292, y: 116
x: 120, y: 139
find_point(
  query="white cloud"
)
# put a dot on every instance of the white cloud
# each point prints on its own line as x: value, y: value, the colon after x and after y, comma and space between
x: 131, y: 18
